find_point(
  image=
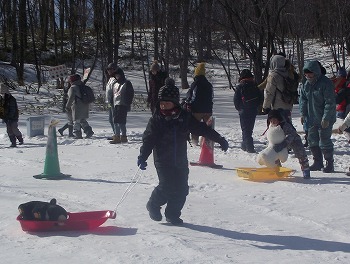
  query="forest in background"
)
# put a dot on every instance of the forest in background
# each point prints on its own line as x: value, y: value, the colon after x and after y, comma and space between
x: 92, y: 33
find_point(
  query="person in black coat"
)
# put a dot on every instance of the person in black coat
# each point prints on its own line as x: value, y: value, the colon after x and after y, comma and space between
x: 200, y: 97
x: 9, y: 114
x: 166, y: 135
x: 156, y: 81
x: 247, y: 99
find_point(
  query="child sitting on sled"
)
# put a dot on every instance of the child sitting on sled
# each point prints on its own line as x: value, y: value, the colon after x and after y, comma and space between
x: 292, y: 141
x: 166, y: 135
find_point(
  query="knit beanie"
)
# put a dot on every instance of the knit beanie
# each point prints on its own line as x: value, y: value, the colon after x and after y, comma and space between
x: 4, y: 89
x: 200, y: 69
x: 245, y: 74
x: 169, y: 92
x: 275, y: 114
x: 155, y: 66
x: 74, y: 78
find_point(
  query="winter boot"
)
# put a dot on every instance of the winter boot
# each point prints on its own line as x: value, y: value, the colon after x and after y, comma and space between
x: 116, y: 140
x: 13, y: 141
x: 89, y: 132
x: 318, y: 159
x: 175, y: 221
x: 243, y: 146
x: 20, y: 140
x: 70, y: 131
x: 78, y: 135
x: 328, y: 156
x: 154, y: 212
x: 60, y: 130
x: 124, y: 139
x: 306, y: 174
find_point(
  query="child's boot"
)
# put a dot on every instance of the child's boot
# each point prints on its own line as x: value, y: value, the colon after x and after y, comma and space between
x: 124, y: 139
x: 154, y: 212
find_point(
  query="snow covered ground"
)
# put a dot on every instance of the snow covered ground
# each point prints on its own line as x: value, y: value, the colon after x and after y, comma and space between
x: 227, y: 219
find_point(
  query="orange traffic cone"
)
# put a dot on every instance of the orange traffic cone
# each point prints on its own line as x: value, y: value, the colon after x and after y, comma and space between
x: 206, y: 157
x: 52, y: 166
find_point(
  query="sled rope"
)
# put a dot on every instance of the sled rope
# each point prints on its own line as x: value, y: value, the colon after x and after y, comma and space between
x: 135, y: 179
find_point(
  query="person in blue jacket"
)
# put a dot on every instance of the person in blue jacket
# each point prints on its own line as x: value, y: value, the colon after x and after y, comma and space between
x: 318, y: 109
x: 166, y: 135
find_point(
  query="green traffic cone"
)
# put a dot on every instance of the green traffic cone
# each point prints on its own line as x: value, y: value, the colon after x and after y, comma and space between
x: 52, y: 166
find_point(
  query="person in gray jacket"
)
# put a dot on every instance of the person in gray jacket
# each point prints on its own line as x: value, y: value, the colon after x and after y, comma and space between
x: 318, y: 109
x: 80, y: 110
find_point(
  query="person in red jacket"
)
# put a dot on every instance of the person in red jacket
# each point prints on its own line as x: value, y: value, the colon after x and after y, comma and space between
x: 339, y: 84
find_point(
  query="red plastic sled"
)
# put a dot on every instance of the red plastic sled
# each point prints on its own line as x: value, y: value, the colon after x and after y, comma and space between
x: 75, y: 221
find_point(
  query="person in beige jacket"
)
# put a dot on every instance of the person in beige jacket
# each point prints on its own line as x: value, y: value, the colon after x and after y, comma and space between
x: 274, y: 88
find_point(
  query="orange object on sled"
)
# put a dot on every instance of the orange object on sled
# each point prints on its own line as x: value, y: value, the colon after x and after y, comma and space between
x: 75, y: 221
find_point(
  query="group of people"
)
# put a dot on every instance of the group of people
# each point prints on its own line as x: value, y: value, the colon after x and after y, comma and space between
x: 318, y: 101
x: 172, y: 122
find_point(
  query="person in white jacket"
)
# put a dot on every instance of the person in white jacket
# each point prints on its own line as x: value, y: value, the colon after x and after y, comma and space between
x: 342, y: 127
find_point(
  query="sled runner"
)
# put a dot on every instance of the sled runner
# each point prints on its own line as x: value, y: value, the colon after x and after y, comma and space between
x: 264, y: 174
x: 75, y: 221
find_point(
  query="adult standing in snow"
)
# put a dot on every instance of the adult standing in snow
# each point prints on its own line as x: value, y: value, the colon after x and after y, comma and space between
x: 69, y: 124
x: 275, y: 86
x: 156, y: 81
x: 247, y: 99
x: 318, y: 109
x: 166, y: 135
x: 111, y: 74
x: 123, y: 94
x: 9, y: 114
x: 80, y: 110
x: 200, y: 97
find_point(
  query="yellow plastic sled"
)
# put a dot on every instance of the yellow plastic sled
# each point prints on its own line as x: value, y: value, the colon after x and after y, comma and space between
x: 264, y: 174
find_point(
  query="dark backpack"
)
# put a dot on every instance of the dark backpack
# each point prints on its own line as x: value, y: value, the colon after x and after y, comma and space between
x: 290, y: 92
x: 129, y: 93
x: 87, y: 94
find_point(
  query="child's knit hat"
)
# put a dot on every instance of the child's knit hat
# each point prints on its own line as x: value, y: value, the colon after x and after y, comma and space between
x: 169, y: 92
x: 275, y: 114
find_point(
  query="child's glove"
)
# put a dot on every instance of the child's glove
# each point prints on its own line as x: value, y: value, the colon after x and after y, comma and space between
x: 141, y: 164
x: 223, y: 144
x: 278, y: 147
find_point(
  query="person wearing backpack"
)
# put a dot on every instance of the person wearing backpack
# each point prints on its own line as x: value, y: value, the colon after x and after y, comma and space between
x: 80, y: 110
x: 247, y: 99
x: 275, y: 85
x: 123, y: 94
x: 317, y: 107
